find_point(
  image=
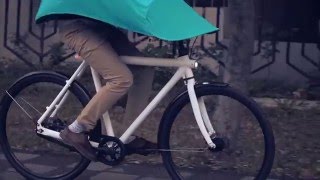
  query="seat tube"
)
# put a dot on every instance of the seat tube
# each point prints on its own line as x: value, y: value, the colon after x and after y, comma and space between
x: 195, y: 106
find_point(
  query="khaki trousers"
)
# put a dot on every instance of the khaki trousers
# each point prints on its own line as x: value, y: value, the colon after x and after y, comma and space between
x: 99, y: 44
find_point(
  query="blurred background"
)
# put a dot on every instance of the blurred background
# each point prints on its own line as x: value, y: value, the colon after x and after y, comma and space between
x: 268, y: 49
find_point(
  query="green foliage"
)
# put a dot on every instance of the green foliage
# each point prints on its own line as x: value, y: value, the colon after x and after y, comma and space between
x: 213, y: 51
x: 55, y: 56
x: 163, y: 75
x: 157, y: 51
x: 270, y: 88
x: 16, y: 42
x: 216, y: 50
x: 57, y: 53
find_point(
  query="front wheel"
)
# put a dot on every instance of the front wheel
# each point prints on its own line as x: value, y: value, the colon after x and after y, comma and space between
x: 185, y: 153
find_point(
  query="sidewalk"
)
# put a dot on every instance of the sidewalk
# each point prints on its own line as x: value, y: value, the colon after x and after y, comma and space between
x: 99, y: 171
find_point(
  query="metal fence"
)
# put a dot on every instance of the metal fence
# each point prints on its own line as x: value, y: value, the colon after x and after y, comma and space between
x: 16, y: 10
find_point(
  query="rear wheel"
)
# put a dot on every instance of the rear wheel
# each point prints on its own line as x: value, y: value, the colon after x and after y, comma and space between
x: 186, y: 155
x: 31, y: 155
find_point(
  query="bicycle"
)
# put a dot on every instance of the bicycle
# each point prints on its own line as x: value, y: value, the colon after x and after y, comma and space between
x: 47, y: 122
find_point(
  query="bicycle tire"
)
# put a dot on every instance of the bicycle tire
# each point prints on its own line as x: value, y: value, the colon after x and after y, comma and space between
x: 18, y: 86
x: 182, y: 100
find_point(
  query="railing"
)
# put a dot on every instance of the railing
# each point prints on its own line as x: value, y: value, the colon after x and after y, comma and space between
x: 40, y: 34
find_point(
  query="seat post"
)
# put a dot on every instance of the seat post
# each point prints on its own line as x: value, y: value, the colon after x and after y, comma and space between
x: 183, y: 49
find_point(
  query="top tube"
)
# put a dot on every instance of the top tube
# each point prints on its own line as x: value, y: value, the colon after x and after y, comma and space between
x: 183, y: 61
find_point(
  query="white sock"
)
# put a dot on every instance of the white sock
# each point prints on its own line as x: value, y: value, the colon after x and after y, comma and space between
x: 76, y: 127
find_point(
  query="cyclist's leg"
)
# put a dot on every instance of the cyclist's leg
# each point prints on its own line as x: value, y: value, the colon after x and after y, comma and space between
x: 93, y: 46
x: 90, y: 43
x: 100, y: 49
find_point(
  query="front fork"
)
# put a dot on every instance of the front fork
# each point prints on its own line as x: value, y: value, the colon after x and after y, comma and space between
x: 199, y: 110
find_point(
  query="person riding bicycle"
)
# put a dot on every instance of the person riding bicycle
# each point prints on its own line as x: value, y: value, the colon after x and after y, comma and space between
x: 93, y: 29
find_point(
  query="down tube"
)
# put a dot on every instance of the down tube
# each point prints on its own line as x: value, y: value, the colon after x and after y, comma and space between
x: 164, y: 91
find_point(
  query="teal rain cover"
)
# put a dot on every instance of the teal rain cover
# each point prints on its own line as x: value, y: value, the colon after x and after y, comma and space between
x: 165, y: 19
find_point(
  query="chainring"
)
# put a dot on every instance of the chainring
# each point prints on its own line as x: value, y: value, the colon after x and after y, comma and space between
x: 111, y: 151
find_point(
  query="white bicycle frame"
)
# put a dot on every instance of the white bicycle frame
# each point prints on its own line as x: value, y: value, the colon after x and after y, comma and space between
x: 184, y: 71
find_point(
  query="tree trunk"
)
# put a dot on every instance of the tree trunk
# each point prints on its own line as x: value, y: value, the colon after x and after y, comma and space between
x: 239, y: 25
x: 212, y: 65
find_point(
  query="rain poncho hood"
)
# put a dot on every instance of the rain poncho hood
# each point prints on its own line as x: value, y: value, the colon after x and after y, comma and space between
x: 166, y: 19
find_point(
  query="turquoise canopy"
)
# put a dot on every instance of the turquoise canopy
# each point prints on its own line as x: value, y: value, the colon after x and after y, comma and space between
x: 165, y: 19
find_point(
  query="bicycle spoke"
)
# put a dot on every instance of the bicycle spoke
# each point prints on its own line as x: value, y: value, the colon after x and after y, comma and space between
x: 31, y: 106
x: 20, y: 106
